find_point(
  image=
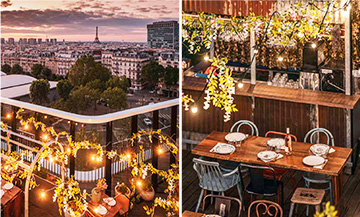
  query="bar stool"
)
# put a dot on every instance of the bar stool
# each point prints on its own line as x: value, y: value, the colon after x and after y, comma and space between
x: 307, y: 196
x: 318, y: 178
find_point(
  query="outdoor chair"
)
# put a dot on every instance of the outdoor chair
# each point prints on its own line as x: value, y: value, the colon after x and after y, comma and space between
x: 318, y: 178
x: 229, y: 166
x: 211, y: 178
x: 306, y: 196
x: 281, y: 172
x: 271, y: 208
x: 261, y: 185
x: 223, y: 200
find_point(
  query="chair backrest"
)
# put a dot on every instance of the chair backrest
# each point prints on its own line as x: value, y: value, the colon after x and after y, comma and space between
x: 271, y: 208
x: 223, y: 200
x: 236, y: 127
x: 280, y: 133
x: 210, y: 175
x: 256, y: 174
x: 315, y: 131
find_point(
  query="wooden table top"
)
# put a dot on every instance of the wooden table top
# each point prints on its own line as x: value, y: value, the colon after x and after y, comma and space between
x: 260, y: 90
x: 187, y: 213
x: 9, y: 194
x: 112, y: 210
x: 249, y: 149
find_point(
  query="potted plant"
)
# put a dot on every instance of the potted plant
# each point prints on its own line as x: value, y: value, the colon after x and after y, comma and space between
x: 96, y: 192
x: 73, y: 208
x: 146, y: 190
x: 122, y: 194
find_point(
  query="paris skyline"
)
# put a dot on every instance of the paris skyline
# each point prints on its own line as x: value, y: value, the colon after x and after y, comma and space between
x: 76, y: 20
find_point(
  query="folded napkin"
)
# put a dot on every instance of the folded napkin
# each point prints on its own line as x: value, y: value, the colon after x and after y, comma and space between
x: 331, y: 150
x: 321, y: 166
x: 277, y: 158
x: 217, y: 145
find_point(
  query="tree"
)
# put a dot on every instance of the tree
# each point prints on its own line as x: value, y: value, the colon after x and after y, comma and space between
x: 152, y: 72
x: 46, y: 73
x: 171, y: 76
x: 16, y: 69
x: 64, y: 88
x: 36, y: 70
x: 121, y: 82
x: 6, y: 68
x: 115, y: 98
x: 85, y: 70
x: 39, y: 91
x: 96, y: 84
x: 80, y: 99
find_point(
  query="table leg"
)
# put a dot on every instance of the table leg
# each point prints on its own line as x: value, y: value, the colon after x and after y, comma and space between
x: 338, y: 191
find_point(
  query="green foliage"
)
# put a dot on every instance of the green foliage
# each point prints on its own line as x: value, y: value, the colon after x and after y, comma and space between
x: 36, y: 70
x: 152, y: 72
x: 85, y: 70
x: 93, y: 136
x: 80, y: 99
x: 64, y: 88
x: 121, y: 82
x: 96, y: 84
x: 356, y: 33
x: 16, y: 69
x: 171, y: 76
x: 115, y: 98
x: 6, y: 68
x: 39, y: 91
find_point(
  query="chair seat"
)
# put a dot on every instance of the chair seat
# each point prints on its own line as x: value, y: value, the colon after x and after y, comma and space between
x: 308, y: 196
x: 219, y: 184
x: 270, y: 188
x: 317, y: 177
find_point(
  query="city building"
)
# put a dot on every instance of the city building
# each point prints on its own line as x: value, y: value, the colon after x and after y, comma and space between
x: 32, y: 41
x: 39, y: 41
x: 2, y: 40
x: 164, y: 34
x: 11, y: 41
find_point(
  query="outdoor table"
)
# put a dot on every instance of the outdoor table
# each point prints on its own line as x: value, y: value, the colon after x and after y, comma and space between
x: 112, y: 210
x: 187, y: 213
x: 249, y: 149
x: 12, y: 203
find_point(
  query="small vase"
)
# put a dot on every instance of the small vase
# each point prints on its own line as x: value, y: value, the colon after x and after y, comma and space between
x: 95, y: 196
x: 148, y: 195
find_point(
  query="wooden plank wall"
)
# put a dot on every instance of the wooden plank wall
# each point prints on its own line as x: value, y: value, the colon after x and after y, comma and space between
x: 230, y: 7
x: 268, y: 115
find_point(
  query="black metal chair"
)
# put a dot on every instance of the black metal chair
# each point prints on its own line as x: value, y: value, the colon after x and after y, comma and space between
x: 222, y: 200
x: 260, y: 185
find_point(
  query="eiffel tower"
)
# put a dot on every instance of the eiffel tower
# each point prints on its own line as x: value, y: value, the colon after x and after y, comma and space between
x: 97, y: 38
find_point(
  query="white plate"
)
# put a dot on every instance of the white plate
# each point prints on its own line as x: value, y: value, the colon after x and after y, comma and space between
x: 102, y: 210
x: 8, y: 186
x: 110, y: 201
x: 225, y: 149
x: 313, y: 160
x: 2, y: 192
x: 319, y: 148
x: 276, y: 142
x: 267, y: 155
x: 235, y: 137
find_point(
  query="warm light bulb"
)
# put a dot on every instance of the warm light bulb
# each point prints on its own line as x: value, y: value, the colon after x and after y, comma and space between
x: 98, y: 159
x: 6, y: 167
x: 159, y: 150
x: 45, y: 137
x: 128, y: 156
x: 68, y: 149
x: 8, y: 116
x: 206, y: 58
x: 194, y: 109
x: 68, y: 122
x: 281, y: 58
x: 313, y: 45
x: 96, y: 210
x: 138, y: 183
x: 300, y: 34
x: 42, y: 194
x: 51, y: 159
x: 240, y: 85
x: 26, y: 126
x: 93, y: 157
x: 256, y: 51
x: 45, y: 116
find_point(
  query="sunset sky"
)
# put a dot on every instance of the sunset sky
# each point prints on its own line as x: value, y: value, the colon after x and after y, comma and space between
x: 75, y: 20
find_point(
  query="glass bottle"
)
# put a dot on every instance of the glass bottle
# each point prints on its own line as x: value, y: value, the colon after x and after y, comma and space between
x: 288, y: 144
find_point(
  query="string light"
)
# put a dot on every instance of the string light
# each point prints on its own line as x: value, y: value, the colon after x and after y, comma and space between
x: 68, y: 149
x: 26, y: 126
x: 42, y: 194
x: 93, y: 157
x: 45, y: 137
x: 206, y: 58
x: 240, y: 85
x: 313, y: 45
x: 300, y: 34
x: 128, y: 156
x: 160, y: 151
x: 256, y: 51
x: 8, y: 116
x: 98, y: 159
x: 51, y: 159
x: 138, y: 183
x: 194, y: 109
x: 280, y: 58
x: 96, y: 210
x: 45, y: 116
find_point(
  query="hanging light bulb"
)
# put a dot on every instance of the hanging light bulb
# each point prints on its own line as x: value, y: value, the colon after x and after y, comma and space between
x: 42, y: 194
x: 128, y: 156
x: 160, y: 151
x: 206, y: 58
x: 45, y: 116
x: 138, y: 183
x: 280, y: 58
x: 300, y: 34
x: 8, y: 116
x: 51, y: 159
x: 93, y: 157
x: 194, y: 109
x: 45, y: 137
x: 26, y: 126
x: 313, y: 45
x: 240, y: 85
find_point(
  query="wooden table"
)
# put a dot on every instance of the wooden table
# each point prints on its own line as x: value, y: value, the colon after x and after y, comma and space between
x: 112, y: 210
x: 187, y: 213
x: 12, y: 203
x: 248, y: 151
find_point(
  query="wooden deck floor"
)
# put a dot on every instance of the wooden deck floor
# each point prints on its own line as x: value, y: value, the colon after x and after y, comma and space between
x: 191, y: 190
